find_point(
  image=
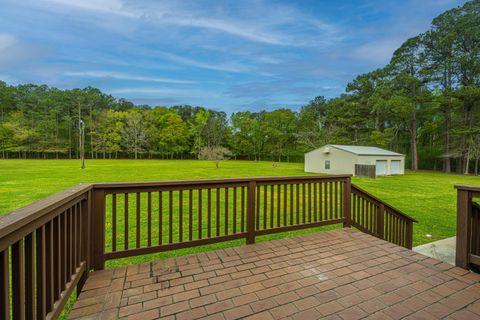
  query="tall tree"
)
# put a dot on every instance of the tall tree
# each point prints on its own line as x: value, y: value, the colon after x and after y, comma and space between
x: 134, y: 137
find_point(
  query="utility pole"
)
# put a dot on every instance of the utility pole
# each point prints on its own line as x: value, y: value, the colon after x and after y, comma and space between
x: 81, y: 135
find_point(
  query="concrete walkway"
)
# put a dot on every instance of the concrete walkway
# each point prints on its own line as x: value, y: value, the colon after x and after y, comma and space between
x: 443, y: 250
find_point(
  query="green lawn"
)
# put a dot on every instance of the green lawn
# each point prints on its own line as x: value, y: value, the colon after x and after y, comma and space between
x: 427, y: 196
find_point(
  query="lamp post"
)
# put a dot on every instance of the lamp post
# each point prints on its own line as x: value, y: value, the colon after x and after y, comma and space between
x: 81, y: 129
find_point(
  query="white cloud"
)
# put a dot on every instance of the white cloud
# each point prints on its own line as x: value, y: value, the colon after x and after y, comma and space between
x: 103, y: 6
x: 124, y: 76
x: 14, y: 51
x: 6, y: 41
x: 229, y: 67
x: 280, y: 25
x: 154, y: 91
x: 377, y: 51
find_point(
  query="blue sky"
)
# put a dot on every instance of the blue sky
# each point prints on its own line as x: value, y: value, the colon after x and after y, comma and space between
x: 226, y: 55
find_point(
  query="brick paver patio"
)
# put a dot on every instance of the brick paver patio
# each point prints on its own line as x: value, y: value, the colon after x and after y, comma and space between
x: 338, y: 274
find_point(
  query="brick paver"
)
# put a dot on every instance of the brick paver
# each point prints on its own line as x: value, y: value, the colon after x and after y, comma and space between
x: 338, y: 274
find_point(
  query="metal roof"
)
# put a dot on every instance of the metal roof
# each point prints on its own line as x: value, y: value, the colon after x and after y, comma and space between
x: 366, y: 151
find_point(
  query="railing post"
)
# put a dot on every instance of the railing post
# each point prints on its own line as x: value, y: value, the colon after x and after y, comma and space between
x: 380, y: 221
x: 98, y: 230
x: 252, y: 185
x: 409, y: 235
x: 347, y: 191
x: 86, y: 226
x: 464, y: 208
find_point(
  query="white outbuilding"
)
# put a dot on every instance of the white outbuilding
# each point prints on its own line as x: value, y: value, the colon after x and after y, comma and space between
x: 341, y: 159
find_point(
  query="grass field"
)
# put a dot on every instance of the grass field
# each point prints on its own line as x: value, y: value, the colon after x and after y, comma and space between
x: 427, y: 196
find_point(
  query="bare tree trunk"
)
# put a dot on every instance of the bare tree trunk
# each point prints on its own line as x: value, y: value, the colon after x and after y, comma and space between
x: 446, y: 160
x: 467, y: 161
x: 413, y: 142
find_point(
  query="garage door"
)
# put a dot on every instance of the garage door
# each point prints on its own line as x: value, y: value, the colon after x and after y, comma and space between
x: 395, y: 167
x: 381, y: 167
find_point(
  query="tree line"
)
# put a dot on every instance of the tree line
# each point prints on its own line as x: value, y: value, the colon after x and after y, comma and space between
x: 424, y: 103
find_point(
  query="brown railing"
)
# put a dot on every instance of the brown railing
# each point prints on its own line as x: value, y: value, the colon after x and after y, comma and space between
x: 468, y: 228
x: 44, y: 251
x: 149, y: 217
x: 373, y: 216
x: 47, y: 248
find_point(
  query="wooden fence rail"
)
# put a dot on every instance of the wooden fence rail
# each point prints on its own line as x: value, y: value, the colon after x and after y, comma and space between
x: 373, y: 216
x: 48, y: 248
x: 366, y: 170
x: 468, y: 228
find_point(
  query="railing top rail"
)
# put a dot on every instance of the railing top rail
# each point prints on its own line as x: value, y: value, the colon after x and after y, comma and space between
x: 467, y: 188
x: 112, y: 185
x: 16, y: 219
x: 397, y: 211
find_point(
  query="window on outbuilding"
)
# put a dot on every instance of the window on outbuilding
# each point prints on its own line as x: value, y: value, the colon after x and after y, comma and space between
x: 327, y: 164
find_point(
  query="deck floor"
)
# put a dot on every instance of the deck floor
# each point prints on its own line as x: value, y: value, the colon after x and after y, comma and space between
x: 338, y: 274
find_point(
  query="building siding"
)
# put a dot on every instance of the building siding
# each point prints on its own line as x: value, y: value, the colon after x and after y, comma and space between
x: 343, y: 162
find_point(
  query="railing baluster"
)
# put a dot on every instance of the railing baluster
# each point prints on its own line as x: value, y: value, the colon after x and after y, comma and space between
x: 114, y: 222
x: 291, y: 203
x: 74, y: 241
x: 363, y: 211
x: 170, y: 216
x: 79, y: 234
x: 40, y: 266
x: 125, y: 212
x: 297, y: 189
x: 18, y: 281
x: 160, y: 217
x: 251, y: 190
x: 58, y: 257
x: 320, y: 202
x: 285, y: 186
x: 304, y: 202
x: 336, y: 199
x: 234, y: 226
x: 226, y: 211
x: 272, y: 206
x: 71, y: 246
x: 309, y: 202
x: 242, y: 219
x: 180, y: 216
x: 330, y: 199
x: 149, y: 219
x: 315, y: 204
x: 217, y: 207
x: 63, y: 249
x: 325, y: 203
x: 190, y: 214
x: 137, y: 224
x: 200, y: 213
x: 265, y: 196
x: 29, y: 277
x: 343, y: 196
x: 209, y: 213
x: 4, y: 285
x: 279, y: 195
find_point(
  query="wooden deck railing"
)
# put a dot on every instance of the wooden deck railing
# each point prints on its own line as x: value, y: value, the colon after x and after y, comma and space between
x: 47, y: 248
x: 373, y: 216
x: 44, y: 254
x: 467, y: 254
